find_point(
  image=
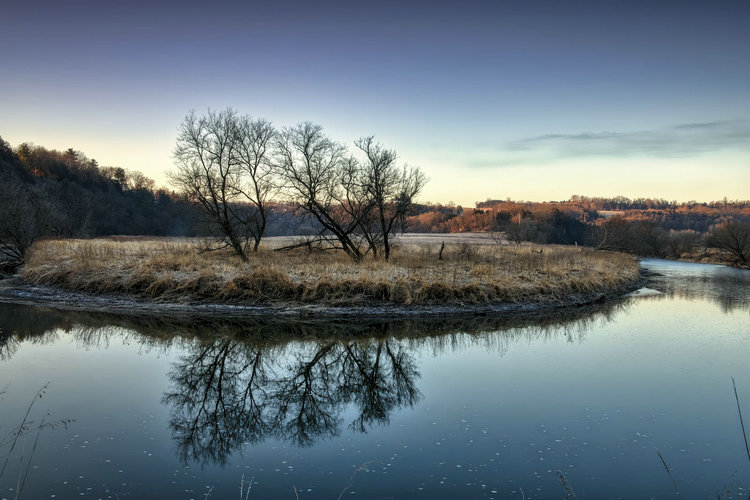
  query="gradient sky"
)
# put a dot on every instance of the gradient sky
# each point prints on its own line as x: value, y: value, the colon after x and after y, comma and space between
x: 524, y: 99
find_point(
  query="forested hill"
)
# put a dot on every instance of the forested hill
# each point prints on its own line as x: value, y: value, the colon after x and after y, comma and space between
x: 73, y: 196
x: 48, y: 193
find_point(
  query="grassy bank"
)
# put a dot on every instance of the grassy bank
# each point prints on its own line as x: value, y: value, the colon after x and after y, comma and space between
x: 173, y: 271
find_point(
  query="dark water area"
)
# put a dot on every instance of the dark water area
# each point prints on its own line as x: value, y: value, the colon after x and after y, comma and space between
x: 467, y: 407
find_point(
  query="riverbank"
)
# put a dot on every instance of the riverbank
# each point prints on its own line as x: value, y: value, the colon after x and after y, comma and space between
x: 171, y: 276
x: 713, y: 256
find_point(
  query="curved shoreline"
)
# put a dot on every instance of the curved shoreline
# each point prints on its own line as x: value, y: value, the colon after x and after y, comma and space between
x: 15, y: 290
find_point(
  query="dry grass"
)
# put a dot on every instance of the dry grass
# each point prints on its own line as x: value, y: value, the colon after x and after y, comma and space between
x: 173, y: 270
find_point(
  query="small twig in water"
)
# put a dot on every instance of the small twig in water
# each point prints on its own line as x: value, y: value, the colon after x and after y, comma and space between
x: 569, y: 493
x: 295, y: 492
x: 742, y: 423
x: 668, y: 472
x: 351, y: 478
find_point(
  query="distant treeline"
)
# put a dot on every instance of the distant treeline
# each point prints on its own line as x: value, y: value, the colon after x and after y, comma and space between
x: 494, y: 215
x: 48, y: 193
x: 643, y: 226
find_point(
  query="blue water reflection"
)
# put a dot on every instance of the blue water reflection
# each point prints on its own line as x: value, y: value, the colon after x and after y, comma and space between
x: 468, y: 407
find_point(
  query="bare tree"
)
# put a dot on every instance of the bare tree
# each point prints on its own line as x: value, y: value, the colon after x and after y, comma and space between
x: 26, y: 214
x: 392, y: 191
x: 322, y: 180
x: 259, y: 183
x: 222, y: 166
x: 138, y: 180
x: 353, y: 202
x: 732, y: 237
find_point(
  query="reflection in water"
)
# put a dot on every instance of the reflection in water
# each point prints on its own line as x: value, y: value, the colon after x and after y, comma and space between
x: 19, y: 323
x: 244, y: 382
x: 219, y: 386
x: 226, y: 392
x: 725, y: 286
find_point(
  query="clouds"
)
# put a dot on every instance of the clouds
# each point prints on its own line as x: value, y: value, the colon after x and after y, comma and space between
x: 688, y: 139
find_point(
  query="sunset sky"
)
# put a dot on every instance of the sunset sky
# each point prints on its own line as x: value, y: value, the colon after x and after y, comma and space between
x: 525, y: 99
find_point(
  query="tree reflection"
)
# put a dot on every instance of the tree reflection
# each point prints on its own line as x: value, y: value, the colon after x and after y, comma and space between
x: 727, y: 287
x: 16, y: 327
x: 226, y: 393
x: 386, y: 382
x: 306, y: 397
x: 218, y: 399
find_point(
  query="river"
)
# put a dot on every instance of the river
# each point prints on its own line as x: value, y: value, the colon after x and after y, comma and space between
x: 584, y: 401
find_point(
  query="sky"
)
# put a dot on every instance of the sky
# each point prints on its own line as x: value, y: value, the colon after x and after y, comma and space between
x: 528, y: 100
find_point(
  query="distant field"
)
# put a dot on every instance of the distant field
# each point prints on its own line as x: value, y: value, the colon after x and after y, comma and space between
x: 474, y: 269
x: 479, y: 238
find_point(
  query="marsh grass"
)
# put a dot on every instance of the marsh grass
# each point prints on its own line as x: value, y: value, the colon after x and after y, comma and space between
x: 175, y: 271
x: 11, y: 440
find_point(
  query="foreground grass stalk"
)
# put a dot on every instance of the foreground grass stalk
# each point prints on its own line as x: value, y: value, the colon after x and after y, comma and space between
x: 669, y: 472
x: 19, y: 489
x: 351, y: 478
x: 22, y: 427
x: 742, y: 422
x: 242, y: 487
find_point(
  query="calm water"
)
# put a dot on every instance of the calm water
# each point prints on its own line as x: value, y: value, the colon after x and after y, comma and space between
x: 481, y: 408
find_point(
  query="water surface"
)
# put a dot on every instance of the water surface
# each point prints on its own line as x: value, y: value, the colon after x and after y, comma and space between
x: 471, y: 408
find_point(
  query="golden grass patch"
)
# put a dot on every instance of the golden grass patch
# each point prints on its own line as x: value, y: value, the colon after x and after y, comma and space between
x: 175, y: 270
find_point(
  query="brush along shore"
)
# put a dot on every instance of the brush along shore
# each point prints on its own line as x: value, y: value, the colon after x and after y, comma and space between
x: 173, y: 272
